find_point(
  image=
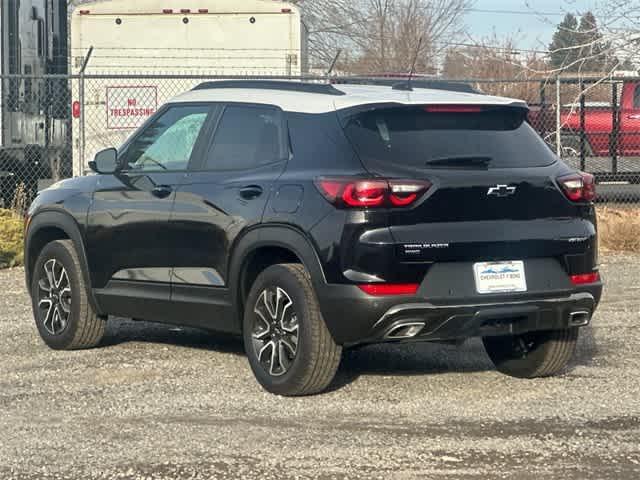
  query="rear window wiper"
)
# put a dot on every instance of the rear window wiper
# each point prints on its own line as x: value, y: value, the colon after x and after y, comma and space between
x: 469, y: 161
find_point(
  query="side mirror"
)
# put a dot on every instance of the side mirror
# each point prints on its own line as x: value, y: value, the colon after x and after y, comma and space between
x: 105, y: 161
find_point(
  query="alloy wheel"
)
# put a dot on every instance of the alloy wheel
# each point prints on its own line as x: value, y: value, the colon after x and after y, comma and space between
x: 54, y: 297
x: 275, y: 331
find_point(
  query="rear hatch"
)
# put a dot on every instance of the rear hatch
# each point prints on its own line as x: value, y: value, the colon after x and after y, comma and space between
x: 494, y: 194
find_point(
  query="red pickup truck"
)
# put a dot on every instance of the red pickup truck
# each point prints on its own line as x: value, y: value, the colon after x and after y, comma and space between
x: 606, y: 128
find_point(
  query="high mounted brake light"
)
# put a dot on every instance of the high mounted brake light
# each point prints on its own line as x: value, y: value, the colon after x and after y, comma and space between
x: 372, y: 193
x: 578, y: 187
x: 453, y: 109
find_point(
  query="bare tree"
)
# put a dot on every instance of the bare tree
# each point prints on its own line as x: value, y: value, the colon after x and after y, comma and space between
x: 383, y: 35
x: 495, y: 58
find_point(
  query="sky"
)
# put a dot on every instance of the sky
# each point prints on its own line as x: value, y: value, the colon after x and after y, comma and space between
x: 530, y: 22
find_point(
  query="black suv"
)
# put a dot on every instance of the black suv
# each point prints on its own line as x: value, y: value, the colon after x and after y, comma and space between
x: 310, y: 218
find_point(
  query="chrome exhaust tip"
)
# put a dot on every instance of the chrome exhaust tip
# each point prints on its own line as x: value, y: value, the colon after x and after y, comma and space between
x: 579, y: 318
x: 404, y: 330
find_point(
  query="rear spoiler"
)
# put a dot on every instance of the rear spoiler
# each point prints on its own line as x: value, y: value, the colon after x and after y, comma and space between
x: 515, y: 114
x: 516, y: 107
x: 415, y: 82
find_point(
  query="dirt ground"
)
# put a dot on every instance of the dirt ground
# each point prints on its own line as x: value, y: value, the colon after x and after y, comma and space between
x: 157, y: 402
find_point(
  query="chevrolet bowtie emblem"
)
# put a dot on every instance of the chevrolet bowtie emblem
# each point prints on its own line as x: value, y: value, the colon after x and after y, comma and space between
x: 501, y: 191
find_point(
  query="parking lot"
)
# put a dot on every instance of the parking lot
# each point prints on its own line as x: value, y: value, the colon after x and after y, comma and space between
x: 161, y: 403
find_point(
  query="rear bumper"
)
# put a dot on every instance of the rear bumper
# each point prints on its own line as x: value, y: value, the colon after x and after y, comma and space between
x: 355, y: 318
x: 450, y: 322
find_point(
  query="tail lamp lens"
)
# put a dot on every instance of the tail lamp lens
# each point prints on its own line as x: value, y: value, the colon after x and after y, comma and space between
x: 403, y: 194
x: 365, y: 193
x: 579, y: 187
x: 371, y: 193
x: 385, y: 289
x: 585, y: 278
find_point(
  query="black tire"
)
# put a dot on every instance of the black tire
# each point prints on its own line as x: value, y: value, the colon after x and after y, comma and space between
x: 77, y: 325
x: 309, y: 364
x: 534, y: 354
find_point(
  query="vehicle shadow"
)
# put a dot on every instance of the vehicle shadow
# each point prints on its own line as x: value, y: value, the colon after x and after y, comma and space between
x: 411, y: 359
x: 120, y: 331
x: 587, y: 351
x: 434, y: 359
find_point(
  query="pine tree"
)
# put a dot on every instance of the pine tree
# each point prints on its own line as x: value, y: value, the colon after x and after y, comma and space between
x: 564, y: 54
x: 579, y: 47
x: 594, y: 51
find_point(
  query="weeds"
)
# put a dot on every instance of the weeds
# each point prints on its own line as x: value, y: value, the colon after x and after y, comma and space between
x: 619, y: 229
x: 11, y: 238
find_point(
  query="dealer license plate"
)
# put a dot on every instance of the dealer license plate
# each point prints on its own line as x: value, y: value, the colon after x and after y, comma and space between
x: 500, y: 277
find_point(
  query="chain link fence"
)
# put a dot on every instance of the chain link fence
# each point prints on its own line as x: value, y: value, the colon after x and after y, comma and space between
x: 51, y: 126
x: 592, y: 124
x: 35, y: 138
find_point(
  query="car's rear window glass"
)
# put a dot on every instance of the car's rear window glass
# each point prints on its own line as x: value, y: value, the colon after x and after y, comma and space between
x: 417, y: 137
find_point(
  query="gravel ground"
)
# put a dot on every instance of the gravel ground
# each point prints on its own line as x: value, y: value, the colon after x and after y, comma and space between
x: 162, y: 403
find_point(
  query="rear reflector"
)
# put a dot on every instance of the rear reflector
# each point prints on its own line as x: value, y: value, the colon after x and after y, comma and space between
x: 453, y: 109
x: 579, y: 187
x: 167, y: 10
x: 286, y: 10
x: 384, y: 289
x: 203, y: 10
x: 585, y: 278
x: 85, y: 12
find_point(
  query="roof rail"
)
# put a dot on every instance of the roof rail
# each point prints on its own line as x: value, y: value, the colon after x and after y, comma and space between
x: 321, y: 88
x: 400, y: 83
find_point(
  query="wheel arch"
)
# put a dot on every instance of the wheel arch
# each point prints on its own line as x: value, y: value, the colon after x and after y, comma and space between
x: 289, y: 245
x: 49, y: 226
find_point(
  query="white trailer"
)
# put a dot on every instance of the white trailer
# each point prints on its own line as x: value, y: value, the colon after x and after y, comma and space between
x: 160, y: 37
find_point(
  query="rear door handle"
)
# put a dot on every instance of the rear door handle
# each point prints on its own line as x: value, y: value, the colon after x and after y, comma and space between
x: 250, y: 192
x: 162, y: 191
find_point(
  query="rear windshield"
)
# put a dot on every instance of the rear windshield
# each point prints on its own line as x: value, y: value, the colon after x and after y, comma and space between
x: 417, y: 137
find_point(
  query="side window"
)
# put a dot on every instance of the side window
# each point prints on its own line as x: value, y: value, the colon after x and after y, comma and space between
x: 167, y: 143
x: 246, y: 137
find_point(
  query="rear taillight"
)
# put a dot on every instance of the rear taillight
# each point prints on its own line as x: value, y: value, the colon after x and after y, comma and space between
x: 585, y: 278
x: 372, y: 193
x: 367, y: 193
x: 579, y: 187
x: 384, y: 289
